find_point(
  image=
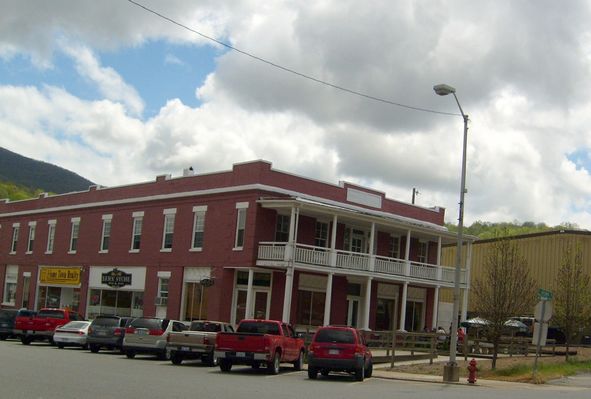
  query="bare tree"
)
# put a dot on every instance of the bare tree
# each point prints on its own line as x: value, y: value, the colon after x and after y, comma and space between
x: 572, y: 298
x: 505, y: 289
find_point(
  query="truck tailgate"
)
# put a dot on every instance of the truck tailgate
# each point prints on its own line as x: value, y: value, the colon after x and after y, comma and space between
x: 242, y: 342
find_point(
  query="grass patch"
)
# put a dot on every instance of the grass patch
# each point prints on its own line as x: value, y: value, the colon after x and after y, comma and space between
x: 546, y: 371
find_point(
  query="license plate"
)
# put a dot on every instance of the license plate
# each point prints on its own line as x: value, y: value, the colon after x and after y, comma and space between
x: 142, y: 332
x: 101, y: 333
x: 240, y: 354
x: 333, y: 351
x: 185, y: 348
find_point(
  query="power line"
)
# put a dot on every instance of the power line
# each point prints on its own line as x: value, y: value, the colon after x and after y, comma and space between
x: 289, y: 70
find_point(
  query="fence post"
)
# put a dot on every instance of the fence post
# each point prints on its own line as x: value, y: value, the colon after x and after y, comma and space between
x: 433, y: 348
x: 393, y: 348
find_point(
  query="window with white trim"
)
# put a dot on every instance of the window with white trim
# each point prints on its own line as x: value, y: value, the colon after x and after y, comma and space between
x: 423, y: 251
x: 321, y: 235
x: 50, y: 236
x: 136, y: 231
x: 163, y: 287
x: 394, y: 250
x: 282, y: 228
x: 106, y: 236
x: 10, y: 280
x: 31, y: 240
x: 168, y: 233
x: 241, y: 208
x: 198, y: 227
x: 15, y: 230
x: 74, y: 235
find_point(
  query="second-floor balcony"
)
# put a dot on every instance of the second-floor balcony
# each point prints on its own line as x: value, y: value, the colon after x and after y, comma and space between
x: 326, y: 260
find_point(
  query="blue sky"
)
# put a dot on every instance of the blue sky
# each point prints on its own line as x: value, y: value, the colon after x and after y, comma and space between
x: 108, y: 90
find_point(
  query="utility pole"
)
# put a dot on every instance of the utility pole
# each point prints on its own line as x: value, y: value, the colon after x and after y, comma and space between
x: 415, y: 192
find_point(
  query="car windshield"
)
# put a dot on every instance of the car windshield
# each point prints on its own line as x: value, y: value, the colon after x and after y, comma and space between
x: 205, y: 326
x: 254, y: 327
x: 106, y: 322
x: 75, y: 325
x: 335, y: 336
x: 26, y: 313
x: 150, y: 324
x: 7, y: 315
x: 54, y: 314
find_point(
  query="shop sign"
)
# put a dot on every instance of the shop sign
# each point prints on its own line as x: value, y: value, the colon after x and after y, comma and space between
x: 60, y: 275
x: 116, y: 278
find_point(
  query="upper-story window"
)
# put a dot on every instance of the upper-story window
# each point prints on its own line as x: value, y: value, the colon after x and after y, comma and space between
x: 198, y: 227
x: 241, y: 208
x: 168, y: 232
x: 31, y: 240
x: 15, y: 231
x: 163, y: 287
x: 106, y: 236
x: 354, y: 240
x: 394, y: 250
x: 136, y: 231
x: 282, y: 228
x: 50, y: 236
x: 321, y: 234
x: 423, y: 251
x: 74, y: 235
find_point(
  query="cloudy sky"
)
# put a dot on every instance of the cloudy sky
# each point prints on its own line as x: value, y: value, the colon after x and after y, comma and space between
x: 119, y: 95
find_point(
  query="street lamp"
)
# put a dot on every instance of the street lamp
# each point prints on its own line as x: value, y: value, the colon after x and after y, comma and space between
x: 451, y: 370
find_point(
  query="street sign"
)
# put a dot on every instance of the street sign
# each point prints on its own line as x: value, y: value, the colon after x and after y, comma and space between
x: 545, y: 295
x: 548, y: 310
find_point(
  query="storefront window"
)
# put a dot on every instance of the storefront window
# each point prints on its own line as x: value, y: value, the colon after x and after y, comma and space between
x: 58, y: 297
x: 114, y: 302
x: 310, y: 308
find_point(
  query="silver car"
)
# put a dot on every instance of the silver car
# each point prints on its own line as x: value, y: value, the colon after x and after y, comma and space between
x: 147, y: 335
x: 73, y: 333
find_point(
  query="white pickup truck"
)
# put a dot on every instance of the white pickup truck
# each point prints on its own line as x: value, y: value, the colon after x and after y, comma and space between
x: 196, y: 343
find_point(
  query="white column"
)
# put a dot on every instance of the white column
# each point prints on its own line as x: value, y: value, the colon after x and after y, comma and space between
x: 333, y: 242
x: 403, y: 306
x: 439, y: 270
x: 287, y: 294
x: 407, y: 253
x: 249, y: 313
x: 366, y: 305
x: 467, y: 273
x: 372, y: 257
x: 435, y: 308
x: 327, y: 300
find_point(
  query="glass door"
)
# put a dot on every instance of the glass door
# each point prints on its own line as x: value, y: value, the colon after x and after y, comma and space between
x: 352, y: 311
x: 261, y: 305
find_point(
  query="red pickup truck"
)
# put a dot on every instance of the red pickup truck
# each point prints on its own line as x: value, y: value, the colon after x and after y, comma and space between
x: 43, y: 324
x: 260, y: 342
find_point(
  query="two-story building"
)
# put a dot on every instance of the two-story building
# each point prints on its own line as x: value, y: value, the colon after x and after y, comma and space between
x: 250, y: 242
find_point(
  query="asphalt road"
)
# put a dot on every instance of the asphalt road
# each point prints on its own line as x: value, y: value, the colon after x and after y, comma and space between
x: 40, y: 371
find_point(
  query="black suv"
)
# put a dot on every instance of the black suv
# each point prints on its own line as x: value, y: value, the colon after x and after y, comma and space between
x: 107, y: 332
x: 7, y: 319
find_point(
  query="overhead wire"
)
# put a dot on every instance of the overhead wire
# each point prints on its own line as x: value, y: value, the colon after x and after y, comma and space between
x: 289, y: 70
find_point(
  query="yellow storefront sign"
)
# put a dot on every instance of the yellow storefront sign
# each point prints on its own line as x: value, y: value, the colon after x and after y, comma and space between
x: 60, y: 275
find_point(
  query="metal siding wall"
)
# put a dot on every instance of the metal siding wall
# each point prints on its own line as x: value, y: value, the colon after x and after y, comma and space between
x: 543, y: 254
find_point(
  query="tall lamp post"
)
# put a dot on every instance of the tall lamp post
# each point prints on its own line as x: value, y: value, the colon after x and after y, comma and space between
x: 451, y: 370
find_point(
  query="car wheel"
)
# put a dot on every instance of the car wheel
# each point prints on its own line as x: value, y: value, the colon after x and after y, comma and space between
x: 299, y: 364
x: 3, y: 337
x: 256, y: 366
x: 95, y: 348
x: 60, y: 346
x: 312, y: 373
x: 164, y: 356
x: 225, y: 365
x: 176, y: 358
x: 274, y: 365
x: 130, y: 354
x: 360, y: 372
x: 210, y: 360
x: 325, y: 373
x: 25, y: 340
x: 369, y: 370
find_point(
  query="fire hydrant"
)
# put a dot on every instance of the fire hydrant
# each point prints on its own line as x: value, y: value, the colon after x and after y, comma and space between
x: 472, y: 369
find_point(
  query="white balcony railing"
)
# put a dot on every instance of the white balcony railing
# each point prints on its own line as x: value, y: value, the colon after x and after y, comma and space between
x: 321, y: 257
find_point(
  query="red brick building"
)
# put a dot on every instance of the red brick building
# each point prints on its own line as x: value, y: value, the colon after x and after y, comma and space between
x: 252, y: 241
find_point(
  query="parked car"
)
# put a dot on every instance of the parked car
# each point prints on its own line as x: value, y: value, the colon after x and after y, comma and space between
x: 196, y: 343
x: 43, y: 324
x: 73, y: 333
x: 107, y: 332
x: 7, y: 320
x: 24, y: 318
x: 148, y: 335
x: 260, y: 342
x: 339, y: 349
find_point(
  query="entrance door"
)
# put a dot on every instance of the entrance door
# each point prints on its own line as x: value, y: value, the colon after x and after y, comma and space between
x: 261, y: 305
x: 357, y: 241
x: 414, y: 316
x: 240, y: 312
x: 352, y: 311
x: 385, y: 314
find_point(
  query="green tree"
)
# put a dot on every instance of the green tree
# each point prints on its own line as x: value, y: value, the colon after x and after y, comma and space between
x: 504, y: 289
x: 572, y: 297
